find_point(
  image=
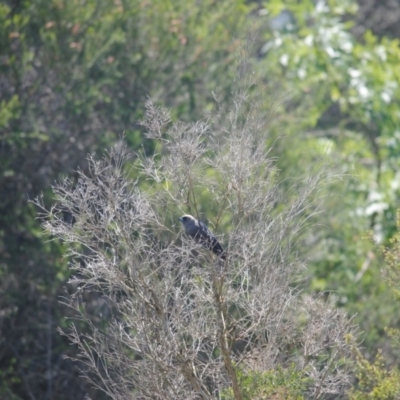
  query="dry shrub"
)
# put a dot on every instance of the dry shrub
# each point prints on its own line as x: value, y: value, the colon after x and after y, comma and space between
x: 182, y: 322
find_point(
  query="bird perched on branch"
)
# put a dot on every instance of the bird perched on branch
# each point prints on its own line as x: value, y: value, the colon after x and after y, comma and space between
x: 201, y: 234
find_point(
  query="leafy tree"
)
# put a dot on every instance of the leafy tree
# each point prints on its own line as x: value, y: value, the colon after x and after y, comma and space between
x: 377, y: 380
x: 74, y: 76
x: 341, y: 97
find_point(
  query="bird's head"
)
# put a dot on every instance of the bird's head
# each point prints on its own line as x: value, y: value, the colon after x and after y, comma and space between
x: 186, y: 219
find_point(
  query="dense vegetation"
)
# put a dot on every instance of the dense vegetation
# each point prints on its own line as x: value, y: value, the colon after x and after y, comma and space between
x: 76, y: 75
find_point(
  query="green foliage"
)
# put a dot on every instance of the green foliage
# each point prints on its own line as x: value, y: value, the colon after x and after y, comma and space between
x: 340, y: 101
x: 8, y: 110
x: 392, y: 258
x: 280, y: 383
x: 375, y: 382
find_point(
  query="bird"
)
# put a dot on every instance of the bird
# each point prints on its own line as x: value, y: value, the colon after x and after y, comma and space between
x: 198, y: 231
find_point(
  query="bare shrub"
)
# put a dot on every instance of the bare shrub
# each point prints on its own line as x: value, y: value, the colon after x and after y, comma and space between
x: 183, y: 322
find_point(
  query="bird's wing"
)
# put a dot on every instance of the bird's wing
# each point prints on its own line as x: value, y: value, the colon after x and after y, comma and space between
x: 208, y: 239
x: 205, y: 233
